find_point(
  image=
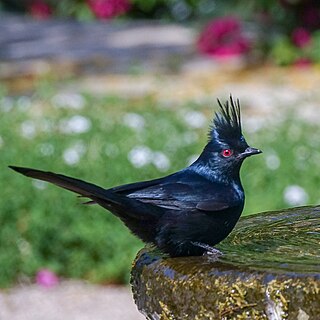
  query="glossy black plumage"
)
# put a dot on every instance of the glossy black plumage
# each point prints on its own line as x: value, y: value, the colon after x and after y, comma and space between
x: 199, y: 204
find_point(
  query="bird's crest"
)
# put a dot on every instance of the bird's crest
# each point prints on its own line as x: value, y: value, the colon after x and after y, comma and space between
x: 227, y: 121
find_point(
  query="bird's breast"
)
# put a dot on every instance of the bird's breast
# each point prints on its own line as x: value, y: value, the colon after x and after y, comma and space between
x: 238, y: 191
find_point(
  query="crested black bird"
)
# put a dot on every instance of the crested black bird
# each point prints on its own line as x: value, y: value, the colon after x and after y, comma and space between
x: 186, y: 212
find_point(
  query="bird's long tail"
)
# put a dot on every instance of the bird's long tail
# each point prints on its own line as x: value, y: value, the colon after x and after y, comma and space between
x: 78, y: 186
x: 118, y: 204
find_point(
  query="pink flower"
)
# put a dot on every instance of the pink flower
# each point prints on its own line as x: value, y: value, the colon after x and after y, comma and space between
x: 46, y: 278
x: 106, y: 9
x: 223, y: 37
x: 302, y: 63
x: 301, y: 37
x: 40, y: 9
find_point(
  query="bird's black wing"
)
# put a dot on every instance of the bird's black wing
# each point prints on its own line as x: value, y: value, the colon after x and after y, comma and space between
x: 181, y: 191
x: 132, y: 187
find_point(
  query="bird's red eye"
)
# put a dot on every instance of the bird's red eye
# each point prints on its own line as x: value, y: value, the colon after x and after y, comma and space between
x: 227, y: 153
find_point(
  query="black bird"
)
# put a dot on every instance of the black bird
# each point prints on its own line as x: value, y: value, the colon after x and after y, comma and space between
x: 186, y: 212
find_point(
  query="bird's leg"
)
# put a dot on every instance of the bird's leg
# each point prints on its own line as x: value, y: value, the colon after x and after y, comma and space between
x: 209, y: 250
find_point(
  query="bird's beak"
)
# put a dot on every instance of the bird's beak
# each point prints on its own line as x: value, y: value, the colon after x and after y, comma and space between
x: 249, y: 152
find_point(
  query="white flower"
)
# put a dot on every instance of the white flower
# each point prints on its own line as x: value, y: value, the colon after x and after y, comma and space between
x: 76, y: 124
x: 134, y: 121
x: 72, y: 155
x: 46, y: 149
x: 295, y: 195
x: 28, y: 129
x: 195, y: 119
x: 41, y: 185
x: 272, y: 161
x: 161, y: 161
x: 69, y: 100
x: 140, y: 156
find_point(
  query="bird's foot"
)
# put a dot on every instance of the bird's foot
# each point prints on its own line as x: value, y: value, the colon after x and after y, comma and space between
x: 210, y: 251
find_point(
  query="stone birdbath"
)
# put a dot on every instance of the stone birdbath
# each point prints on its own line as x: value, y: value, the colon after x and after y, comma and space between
x: 270, y: 269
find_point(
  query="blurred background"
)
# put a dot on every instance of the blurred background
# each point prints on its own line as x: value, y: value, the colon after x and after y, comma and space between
x: 115, y: 91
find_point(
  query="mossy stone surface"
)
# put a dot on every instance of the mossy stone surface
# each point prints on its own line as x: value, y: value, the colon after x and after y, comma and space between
x: 270, y: 269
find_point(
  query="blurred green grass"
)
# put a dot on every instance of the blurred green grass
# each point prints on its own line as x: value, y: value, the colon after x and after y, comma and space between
x: 45, y: 227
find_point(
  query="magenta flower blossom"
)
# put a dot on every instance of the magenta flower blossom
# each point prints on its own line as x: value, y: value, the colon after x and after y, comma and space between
x: 302, y: 63
x: 106, y: 9
x: 40, y: 9
x: 46, y: 278
x: 301, y: 37
x: 223, y: 37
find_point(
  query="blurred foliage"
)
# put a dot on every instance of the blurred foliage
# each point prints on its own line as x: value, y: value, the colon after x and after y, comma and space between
x: 43, y: 226
x: 281, y: 31
x: 174, y: 10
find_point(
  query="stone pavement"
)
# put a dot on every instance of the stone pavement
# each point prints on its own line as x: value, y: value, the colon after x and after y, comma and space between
x: 72, y: 300
x: 29, y: 45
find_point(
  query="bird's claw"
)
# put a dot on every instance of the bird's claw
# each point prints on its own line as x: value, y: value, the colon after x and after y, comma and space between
x: 210, y: 251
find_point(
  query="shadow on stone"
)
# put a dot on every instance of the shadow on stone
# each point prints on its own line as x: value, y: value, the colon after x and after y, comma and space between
x: 269, y: 270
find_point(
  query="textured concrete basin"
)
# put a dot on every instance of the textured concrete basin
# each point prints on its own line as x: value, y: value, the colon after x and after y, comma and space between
x: 270, y: 269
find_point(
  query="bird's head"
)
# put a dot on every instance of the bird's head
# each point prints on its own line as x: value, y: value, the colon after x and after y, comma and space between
x: 227, y: 147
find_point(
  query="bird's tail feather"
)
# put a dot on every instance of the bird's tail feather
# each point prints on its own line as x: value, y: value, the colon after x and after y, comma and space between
x: 112, y: 201
x: 78, y: 186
